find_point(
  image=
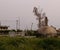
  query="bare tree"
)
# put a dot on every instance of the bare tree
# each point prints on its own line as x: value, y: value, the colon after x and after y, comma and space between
x: 39, y: 16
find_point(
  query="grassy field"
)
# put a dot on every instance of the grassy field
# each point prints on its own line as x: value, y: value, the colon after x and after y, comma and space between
x: 19, y: 43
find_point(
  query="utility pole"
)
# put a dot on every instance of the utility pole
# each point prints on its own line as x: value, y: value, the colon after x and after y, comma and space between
x: 16, y: 25
x: 19, y: 22
x: 0, y: 23
x: 31, y: 26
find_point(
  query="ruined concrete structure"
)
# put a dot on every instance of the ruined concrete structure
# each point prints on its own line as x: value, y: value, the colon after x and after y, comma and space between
x: 43, y: 27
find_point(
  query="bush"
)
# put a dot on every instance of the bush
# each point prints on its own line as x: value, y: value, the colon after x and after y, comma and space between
x: 29, y: 33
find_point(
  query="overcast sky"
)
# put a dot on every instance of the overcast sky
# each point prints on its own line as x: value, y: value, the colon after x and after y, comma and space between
x: 10, y: 10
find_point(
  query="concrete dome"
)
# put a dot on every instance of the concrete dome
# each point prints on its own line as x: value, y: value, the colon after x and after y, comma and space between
x: 47, y: 30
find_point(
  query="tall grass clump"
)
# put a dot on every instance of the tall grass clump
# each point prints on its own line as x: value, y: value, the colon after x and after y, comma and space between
x: 20, y: 43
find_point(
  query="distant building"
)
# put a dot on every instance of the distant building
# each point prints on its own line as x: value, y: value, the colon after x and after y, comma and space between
x: 4, y: 29
x: 58, y: 32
